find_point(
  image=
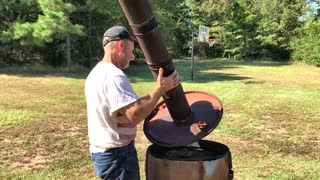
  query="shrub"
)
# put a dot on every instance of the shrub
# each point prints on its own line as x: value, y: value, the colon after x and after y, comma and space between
x: 306, y: 47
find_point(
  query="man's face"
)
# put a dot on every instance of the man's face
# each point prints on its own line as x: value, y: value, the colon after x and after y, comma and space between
x: 127, y: 54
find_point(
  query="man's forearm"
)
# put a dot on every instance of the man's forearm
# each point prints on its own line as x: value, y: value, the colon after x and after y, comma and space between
x: 139, y: 110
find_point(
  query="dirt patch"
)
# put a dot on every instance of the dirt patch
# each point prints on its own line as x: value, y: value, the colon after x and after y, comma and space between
x: 35, y: 145
x: 36, y: 162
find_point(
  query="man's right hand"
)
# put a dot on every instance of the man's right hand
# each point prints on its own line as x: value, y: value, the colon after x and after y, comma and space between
x: 167, y: 83
x: 137, y: 111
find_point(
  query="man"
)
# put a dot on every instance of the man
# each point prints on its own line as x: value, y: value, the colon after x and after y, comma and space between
x: 114, y: 109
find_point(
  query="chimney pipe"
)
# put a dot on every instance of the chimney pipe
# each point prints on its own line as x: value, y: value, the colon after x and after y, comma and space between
x: 146, y: 29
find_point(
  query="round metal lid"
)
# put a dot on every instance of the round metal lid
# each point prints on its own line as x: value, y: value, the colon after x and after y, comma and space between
x: 160, y: 128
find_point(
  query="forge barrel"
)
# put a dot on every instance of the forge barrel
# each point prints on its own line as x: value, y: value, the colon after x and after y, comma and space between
x: 210, y: 161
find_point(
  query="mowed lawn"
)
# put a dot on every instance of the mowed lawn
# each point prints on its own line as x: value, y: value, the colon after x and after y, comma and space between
x: 271, y: 120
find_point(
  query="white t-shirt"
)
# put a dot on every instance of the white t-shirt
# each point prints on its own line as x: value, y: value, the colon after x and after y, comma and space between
x: 108, y: 89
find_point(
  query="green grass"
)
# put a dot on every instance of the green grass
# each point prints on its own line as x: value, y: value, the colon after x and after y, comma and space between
x: 271, y: 119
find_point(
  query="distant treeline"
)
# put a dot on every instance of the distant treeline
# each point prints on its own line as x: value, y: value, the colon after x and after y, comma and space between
x: 67, y: 32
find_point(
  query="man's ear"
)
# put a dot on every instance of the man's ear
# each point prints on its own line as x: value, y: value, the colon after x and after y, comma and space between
x: 120, y: 44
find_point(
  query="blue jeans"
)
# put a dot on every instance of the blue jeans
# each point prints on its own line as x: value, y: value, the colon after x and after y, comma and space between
x: 117, y: 164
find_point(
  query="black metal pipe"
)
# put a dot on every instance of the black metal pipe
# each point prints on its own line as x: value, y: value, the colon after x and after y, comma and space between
x: 146, y: 29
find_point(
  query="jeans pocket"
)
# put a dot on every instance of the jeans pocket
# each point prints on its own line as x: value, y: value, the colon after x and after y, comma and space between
x: 105, y: 166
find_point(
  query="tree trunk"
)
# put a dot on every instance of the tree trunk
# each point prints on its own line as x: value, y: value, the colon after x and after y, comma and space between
x: 68, y: 50
x: 68, y: 44
x: 89, y: 39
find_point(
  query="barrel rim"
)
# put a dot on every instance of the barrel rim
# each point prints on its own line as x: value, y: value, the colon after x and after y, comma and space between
x: 154, y: 149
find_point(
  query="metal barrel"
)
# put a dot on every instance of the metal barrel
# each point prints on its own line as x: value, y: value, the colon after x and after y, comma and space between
x: 146, y: 29
x: 210, y: 161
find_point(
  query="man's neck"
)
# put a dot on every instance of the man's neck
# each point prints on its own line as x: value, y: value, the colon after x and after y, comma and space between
x: 107, y: 58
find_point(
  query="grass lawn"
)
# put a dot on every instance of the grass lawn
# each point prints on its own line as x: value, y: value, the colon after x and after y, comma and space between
x: 271, y: 119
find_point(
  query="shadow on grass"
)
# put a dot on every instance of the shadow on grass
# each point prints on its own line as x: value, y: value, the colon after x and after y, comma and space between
x: 26, y: 72
x: 139, y: 71
x: 217, y: 64
x: 210, y: 77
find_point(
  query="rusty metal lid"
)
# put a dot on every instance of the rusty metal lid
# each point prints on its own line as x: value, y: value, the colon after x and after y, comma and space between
x: 161, y: 129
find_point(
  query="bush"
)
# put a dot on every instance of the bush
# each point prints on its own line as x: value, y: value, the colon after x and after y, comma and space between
x: 306, y: 47
x: 3, y: 64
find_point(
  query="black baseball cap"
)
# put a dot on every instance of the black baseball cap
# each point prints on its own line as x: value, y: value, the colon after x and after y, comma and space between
x: 116, y: 33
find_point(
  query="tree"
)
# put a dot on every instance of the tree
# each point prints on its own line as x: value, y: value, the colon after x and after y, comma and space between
x: 11, y: 12
x: 68, y: 44
x: 248, y: 28
x: 211, y: 14
x: 166, y: 13
x: 239, y: 29
x: 51, y: 22
x: 46, y: 24
x: 232, y: 24
x: 95, y: 16
x: 306, y: 45
x: 182, y: 29
x: 277, y: 24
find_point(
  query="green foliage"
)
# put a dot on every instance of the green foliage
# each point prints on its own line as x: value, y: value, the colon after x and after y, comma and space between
x: 11, y: 12
x: 278, y: 21
x: 96, y: 16
x: 249, y: 29
x: 306, y: 46
x: 182, y: 29
x: 170, y: 15
x: 29, y: 26
x: 35, y: 30
x: 51, y: 21
x: 233, y: 24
